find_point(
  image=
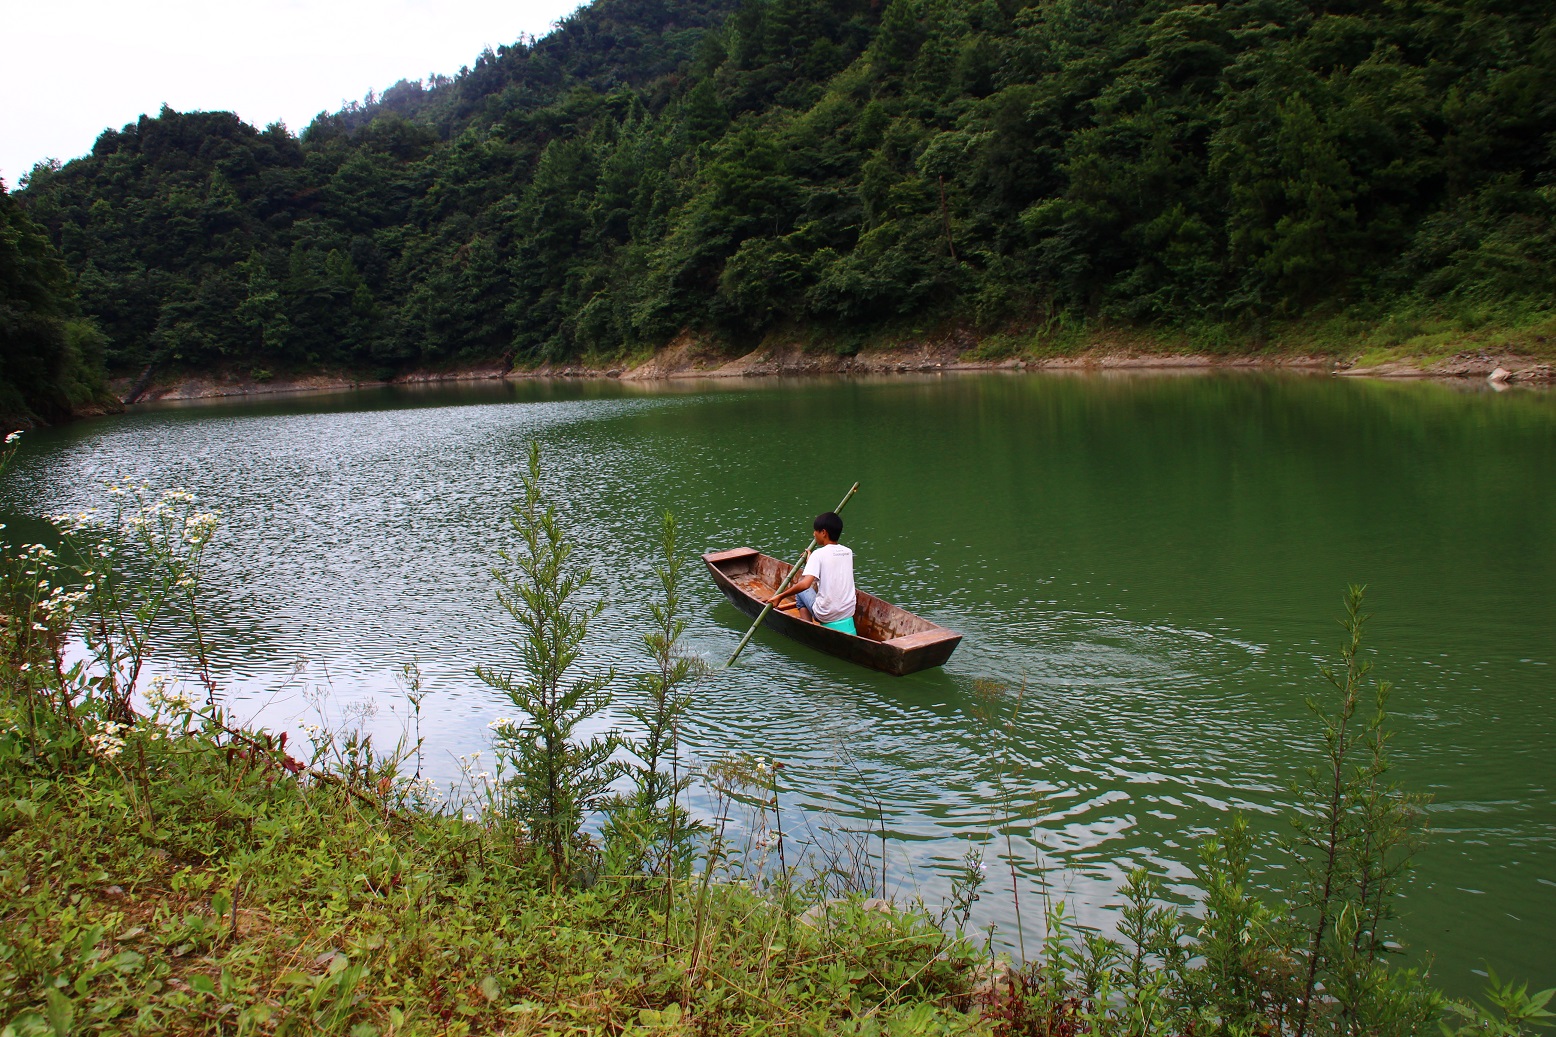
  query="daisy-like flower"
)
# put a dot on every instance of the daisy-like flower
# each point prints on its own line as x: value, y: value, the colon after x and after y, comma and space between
x: 106, y: 743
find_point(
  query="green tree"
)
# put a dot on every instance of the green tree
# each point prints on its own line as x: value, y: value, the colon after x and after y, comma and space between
x: 50, y: 359
x: 1352, y: 849
x: 557, y: 778
x: 649, y: 831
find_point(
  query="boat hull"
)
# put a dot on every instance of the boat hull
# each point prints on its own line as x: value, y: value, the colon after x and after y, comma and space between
x: 891, y: 639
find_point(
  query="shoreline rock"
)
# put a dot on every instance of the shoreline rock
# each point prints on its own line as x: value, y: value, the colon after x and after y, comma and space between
x: 686, y: 358
x: 1467, y: 365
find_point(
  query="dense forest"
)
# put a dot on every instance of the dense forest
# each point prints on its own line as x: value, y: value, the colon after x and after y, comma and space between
x: 835, y: 169
x: 51, y: 366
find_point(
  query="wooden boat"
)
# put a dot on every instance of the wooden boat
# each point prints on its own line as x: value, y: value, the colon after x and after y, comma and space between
x: 890, y: 639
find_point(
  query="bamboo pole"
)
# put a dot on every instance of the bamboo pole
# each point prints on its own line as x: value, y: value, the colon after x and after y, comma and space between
x: 793, y: 571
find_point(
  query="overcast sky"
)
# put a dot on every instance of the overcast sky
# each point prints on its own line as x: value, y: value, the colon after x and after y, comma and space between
x: 72, y: 68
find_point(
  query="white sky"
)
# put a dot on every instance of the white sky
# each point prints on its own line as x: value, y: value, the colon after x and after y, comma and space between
x: 71, y: 68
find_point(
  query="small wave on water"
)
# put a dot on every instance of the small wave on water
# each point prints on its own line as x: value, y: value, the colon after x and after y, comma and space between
x: 1041, y: 745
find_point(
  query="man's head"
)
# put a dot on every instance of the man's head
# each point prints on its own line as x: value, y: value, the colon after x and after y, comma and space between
x: 828, y: 524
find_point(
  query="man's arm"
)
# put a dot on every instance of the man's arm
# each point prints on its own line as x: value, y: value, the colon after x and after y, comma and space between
x: 801, y: 584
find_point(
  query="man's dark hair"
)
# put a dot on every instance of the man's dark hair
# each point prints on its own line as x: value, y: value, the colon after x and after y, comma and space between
x: 829, y: 521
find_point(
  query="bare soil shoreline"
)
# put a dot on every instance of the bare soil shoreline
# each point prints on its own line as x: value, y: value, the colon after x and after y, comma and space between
x: 686, y: 359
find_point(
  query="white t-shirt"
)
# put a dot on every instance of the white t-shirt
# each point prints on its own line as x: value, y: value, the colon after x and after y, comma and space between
x: 833, y: 567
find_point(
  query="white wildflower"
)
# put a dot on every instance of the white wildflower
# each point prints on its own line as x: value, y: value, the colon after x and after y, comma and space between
x: 105, y: 744
x: 160, y: 697
x: 13, y: 437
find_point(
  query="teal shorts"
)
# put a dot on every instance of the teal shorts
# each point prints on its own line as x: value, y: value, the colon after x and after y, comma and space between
x: 846, y: 625
x: 807, y: 598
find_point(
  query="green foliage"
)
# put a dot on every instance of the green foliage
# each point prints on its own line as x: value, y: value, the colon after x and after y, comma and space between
x: 1309, y: 960
x: 741, y: 168
x: 1247, y: 977
x: 557, y: 778
x: 648, y: 831
x: 1512, y: 1009
x: 1352, y: 849
x: 169, y: 873
x: 51, y: 359
x: 124, y: 590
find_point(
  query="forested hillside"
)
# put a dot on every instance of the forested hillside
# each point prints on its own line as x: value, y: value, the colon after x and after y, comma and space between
x: 51, y: 363
x: 836, y: 168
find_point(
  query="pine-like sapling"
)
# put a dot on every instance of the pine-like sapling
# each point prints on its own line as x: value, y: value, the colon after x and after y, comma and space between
x: 557, y: 779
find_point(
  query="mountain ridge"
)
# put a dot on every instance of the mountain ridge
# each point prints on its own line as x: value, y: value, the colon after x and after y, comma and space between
x: 838, y: 172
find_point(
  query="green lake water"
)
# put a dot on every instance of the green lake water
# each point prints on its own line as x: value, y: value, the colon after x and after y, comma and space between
x: 1157, y: 562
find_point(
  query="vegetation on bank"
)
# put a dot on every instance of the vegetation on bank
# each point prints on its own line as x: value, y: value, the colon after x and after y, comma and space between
x: 816, y: 169
x: 51, y: 357
x: 166, y: 870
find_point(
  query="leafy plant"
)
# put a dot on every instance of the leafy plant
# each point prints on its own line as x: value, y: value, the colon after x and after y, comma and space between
x: 556, y: 778
x: 1512, y: 1009
x: 648, y: 831
x: 1352, y: 845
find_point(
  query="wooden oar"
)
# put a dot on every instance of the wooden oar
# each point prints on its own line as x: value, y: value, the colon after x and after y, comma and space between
x: 793, y: 571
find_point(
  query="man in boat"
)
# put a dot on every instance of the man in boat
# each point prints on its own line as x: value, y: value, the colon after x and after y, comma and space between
x: 826, y: 588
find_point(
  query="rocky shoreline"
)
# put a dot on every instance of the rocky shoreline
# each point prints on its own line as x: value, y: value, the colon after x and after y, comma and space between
x: 687, y: 359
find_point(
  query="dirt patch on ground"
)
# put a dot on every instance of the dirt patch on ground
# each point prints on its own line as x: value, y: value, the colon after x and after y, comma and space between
x: 1132, y: 361
x: 213, y: 386
x: 690, y: 357
x: 217, y: 385
x: 1461, y: 365
x: 686, y: 359
x: 489, y: 371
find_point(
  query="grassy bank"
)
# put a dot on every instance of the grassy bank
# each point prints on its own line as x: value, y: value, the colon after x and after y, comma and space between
x: 1423, y: 339
x: 1438, y: 348
x: 1391, y: 344
x: 166, y: 870
x: 188, y: 886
